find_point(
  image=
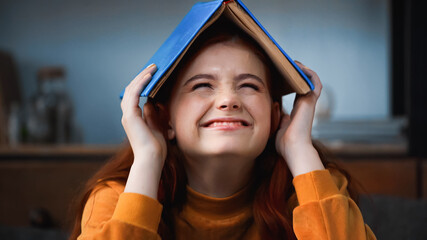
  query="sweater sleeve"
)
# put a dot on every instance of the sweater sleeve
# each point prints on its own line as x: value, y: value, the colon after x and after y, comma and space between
x: 111, y: 214
x: 325, y: 209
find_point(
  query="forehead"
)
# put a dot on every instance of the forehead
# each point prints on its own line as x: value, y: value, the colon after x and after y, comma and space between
x: 235, y: 56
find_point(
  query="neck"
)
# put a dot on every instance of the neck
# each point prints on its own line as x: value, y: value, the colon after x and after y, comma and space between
x: 219, y: 176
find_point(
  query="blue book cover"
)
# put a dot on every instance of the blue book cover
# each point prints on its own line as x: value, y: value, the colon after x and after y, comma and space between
x: 201, y: 16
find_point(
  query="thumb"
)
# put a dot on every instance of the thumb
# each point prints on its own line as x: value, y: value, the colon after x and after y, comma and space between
x: 285, y: 121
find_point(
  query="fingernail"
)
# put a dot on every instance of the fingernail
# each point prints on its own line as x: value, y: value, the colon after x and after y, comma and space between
x: 151, y: 65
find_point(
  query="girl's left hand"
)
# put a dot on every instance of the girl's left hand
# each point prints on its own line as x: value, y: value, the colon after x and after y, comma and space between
x: 293, y: 140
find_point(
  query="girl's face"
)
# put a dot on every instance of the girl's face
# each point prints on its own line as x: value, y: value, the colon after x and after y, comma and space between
x: 221, y: 104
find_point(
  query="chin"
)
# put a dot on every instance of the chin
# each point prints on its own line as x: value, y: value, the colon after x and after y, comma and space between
x: 233, y: 149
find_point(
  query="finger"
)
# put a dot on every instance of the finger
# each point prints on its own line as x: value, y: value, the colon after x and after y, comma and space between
x: 140, y: 79
x: 297, y: 97
x: 135, y: 87
x: 150, y: 69
x: 303, y: 112
x: 130, y: 101
x: 306, y: 70
x: 317, y: 84
x: 312, y: 75
x: 134, y: 92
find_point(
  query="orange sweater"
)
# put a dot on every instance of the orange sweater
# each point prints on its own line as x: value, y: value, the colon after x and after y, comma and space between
x: 324, y: 212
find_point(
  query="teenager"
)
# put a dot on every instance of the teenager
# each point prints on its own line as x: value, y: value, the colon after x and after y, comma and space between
x: 216, y: 157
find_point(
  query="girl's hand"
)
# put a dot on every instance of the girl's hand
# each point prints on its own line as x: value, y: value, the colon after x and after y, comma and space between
x: 293, y: 140
x: 144, y: 131
x: 146, y: 134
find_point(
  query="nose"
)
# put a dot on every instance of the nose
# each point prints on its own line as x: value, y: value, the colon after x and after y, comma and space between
x: 229, y: 102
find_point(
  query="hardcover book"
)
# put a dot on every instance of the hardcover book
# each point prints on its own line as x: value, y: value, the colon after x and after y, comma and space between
x: 203, y: 15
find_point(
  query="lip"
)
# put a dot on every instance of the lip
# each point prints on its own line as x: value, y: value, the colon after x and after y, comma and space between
x: 226, y: 123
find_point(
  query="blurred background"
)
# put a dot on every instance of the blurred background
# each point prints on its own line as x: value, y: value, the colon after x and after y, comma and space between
x: 63, y: 65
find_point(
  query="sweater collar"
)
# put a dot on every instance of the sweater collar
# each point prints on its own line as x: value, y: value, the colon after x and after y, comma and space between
x: 220, y: 207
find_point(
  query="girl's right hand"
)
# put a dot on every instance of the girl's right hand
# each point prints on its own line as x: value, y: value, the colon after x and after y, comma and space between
x: 144, y: 129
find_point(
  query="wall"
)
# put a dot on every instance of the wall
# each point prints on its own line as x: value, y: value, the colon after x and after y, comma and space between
x: 103, y: 44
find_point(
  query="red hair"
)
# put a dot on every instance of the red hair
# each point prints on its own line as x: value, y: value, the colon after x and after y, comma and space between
x: 273, y: 191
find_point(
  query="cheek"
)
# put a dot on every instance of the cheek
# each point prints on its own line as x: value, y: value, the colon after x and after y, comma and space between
x: 260, y: 109
x: 187, y: 114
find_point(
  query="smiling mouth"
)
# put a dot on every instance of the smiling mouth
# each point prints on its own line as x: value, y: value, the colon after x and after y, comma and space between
x: 219, y: 124
x: 228, y: 124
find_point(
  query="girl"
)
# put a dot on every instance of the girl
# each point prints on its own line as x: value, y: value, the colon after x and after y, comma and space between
x: 215, y: 157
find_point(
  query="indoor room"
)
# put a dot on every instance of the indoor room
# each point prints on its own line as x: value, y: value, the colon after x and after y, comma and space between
x: 65, y: 64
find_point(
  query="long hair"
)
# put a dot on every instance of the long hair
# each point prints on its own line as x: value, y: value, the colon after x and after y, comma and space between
x: 274, y: 194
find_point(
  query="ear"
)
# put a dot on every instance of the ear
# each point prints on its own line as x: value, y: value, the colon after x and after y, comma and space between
x: 275, y: 117
x: 171, y: 131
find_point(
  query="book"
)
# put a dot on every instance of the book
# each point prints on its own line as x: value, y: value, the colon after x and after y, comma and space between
x: 203, y: 15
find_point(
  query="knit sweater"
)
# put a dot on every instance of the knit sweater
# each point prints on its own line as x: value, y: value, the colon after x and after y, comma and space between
x: 324, y: 211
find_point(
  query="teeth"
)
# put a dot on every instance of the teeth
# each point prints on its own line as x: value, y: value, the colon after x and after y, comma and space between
x: 215, y: 124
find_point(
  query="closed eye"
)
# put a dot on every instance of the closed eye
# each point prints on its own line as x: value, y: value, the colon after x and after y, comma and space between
x: 201, y: 85
x: 249, y: 85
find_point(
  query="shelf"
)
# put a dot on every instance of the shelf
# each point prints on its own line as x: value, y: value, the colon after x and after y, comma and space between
x: 358, y: 149
x: 57, y: 151
x: 336, y: 147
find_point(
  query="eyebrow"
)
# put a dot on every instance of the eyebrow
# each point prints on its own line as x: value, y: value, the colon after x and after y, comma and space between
x: 199, y: 76
x: 244, y: 76
x: 238, y: 78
